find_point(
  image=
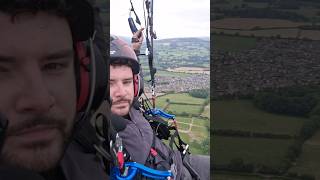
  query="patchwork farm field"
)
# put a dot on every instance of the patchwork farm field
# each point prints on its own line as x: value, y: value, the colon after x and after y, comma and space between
x: 270, y: 152
x: 181, y: 98
x: 193, y: 128
x: 309, y: 161
x: 242, y: 115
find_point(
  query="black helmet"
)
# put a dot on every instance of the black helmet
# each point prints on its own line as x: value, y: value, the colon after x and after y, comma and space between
x: 82, y: 19
x: 79, y: 13
x: 120, y: 50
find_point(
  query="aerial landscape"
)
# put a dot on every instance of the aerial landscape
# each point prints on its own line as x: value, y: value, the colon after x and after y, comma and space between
x: 265, y: 89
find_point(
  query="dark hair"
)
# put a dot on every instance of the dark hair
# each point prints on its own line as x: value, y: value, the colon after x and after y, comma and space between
x: 16, y: 7
x: 78, y: 13
x: 121, y: 62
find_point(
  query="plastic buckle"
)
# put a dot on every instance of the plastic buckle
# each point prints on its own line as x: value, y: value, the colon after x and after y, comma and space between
x: 186, y: 147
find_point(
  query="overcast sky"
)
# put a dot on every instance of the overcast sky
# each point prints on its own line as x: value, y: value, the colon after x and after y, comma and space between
x: 172, y: 18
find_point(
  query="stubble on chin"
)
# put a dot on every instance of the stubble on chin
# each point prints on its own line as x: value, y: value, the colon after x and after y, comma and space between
x: 38, y: 156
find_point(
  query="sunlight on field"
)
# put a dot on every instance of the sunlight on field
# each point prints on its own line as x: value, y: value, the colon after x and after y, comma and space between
x: 181, y: 98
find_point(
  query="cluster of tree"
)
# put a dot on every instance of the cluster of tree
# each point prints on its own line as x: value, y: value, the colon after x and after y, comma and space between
x: 200, y: 93
x: 288, y: 4
x: 240, y: 133
x: 290, y: 101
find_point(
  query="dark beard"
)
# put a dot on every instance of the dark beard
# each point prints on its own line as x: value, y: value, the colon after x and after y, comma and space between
x: 38, y: 150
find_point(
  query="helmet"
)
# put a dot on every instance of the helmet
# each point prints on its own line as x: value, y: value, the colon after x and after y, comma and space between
x: 82, y: 19
x: 119, y: 49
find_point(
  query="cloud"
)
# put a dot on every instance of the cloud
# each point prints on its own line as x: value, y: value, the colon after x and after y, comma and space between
x: 172, y: 18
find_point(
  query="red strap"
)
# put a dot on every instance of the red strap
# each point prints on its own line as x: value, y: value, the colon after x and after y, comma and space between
x: 153, y: 152
x: 84, y: 75
x: 120, y: 159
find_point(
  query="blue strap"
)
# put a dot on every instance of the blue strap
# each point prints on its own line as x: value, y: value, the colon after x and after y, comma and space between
x: 161, y: 113
x: 135, y: 168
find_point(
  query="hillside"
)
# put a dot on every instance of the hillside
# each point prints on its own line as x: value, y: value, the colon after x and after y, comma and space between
x: 178, y: 52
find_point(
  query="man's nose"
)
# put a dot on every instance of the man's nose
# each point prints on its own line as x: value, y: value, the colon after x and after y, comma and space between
x: 120, y: 91
x: 35, y: 96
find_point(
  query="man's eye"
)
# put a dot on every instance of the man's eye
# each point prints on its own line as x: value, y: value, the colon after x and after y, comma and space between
x: 4, y: 69
x: 54, y: 66
x: 127, y: 82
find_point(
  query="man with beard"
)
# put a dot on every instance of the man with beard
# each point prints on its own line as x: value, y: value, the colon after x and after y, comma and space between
x: 44, y: 87
x: 138, y: 137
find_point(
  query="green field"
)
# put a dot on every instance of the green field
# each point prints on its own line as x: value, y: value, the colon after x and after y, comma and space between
x: 270, y: 152
x: 206, y: 112
x: 199, y: 133
x: 309, y: 161
x: 243, y: 115
x: 161, y: 102
x: 171, y: 74
x: 179, y: 108
x: 201, y: 122
x: 233, y: 43
x: 183, y: 119
x: 194, y: 147
x: 192, y: 106
x: 182, y: 126
x: 181, y: 98
x: 162, y: 73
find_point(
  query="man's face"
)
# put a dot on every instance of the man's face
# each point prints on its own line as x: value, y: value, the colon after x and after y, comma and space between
x: 37, y: 89
x: 121, y: 89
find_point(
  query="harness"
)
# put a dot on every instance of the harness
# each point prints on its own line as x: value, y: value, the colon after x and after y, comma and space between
x: 116, y: 159
x: 162, y: 129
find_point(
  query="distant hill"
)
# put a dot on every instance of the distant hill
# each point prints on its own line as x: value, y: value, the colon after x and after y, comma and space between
x: 178, y: 52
